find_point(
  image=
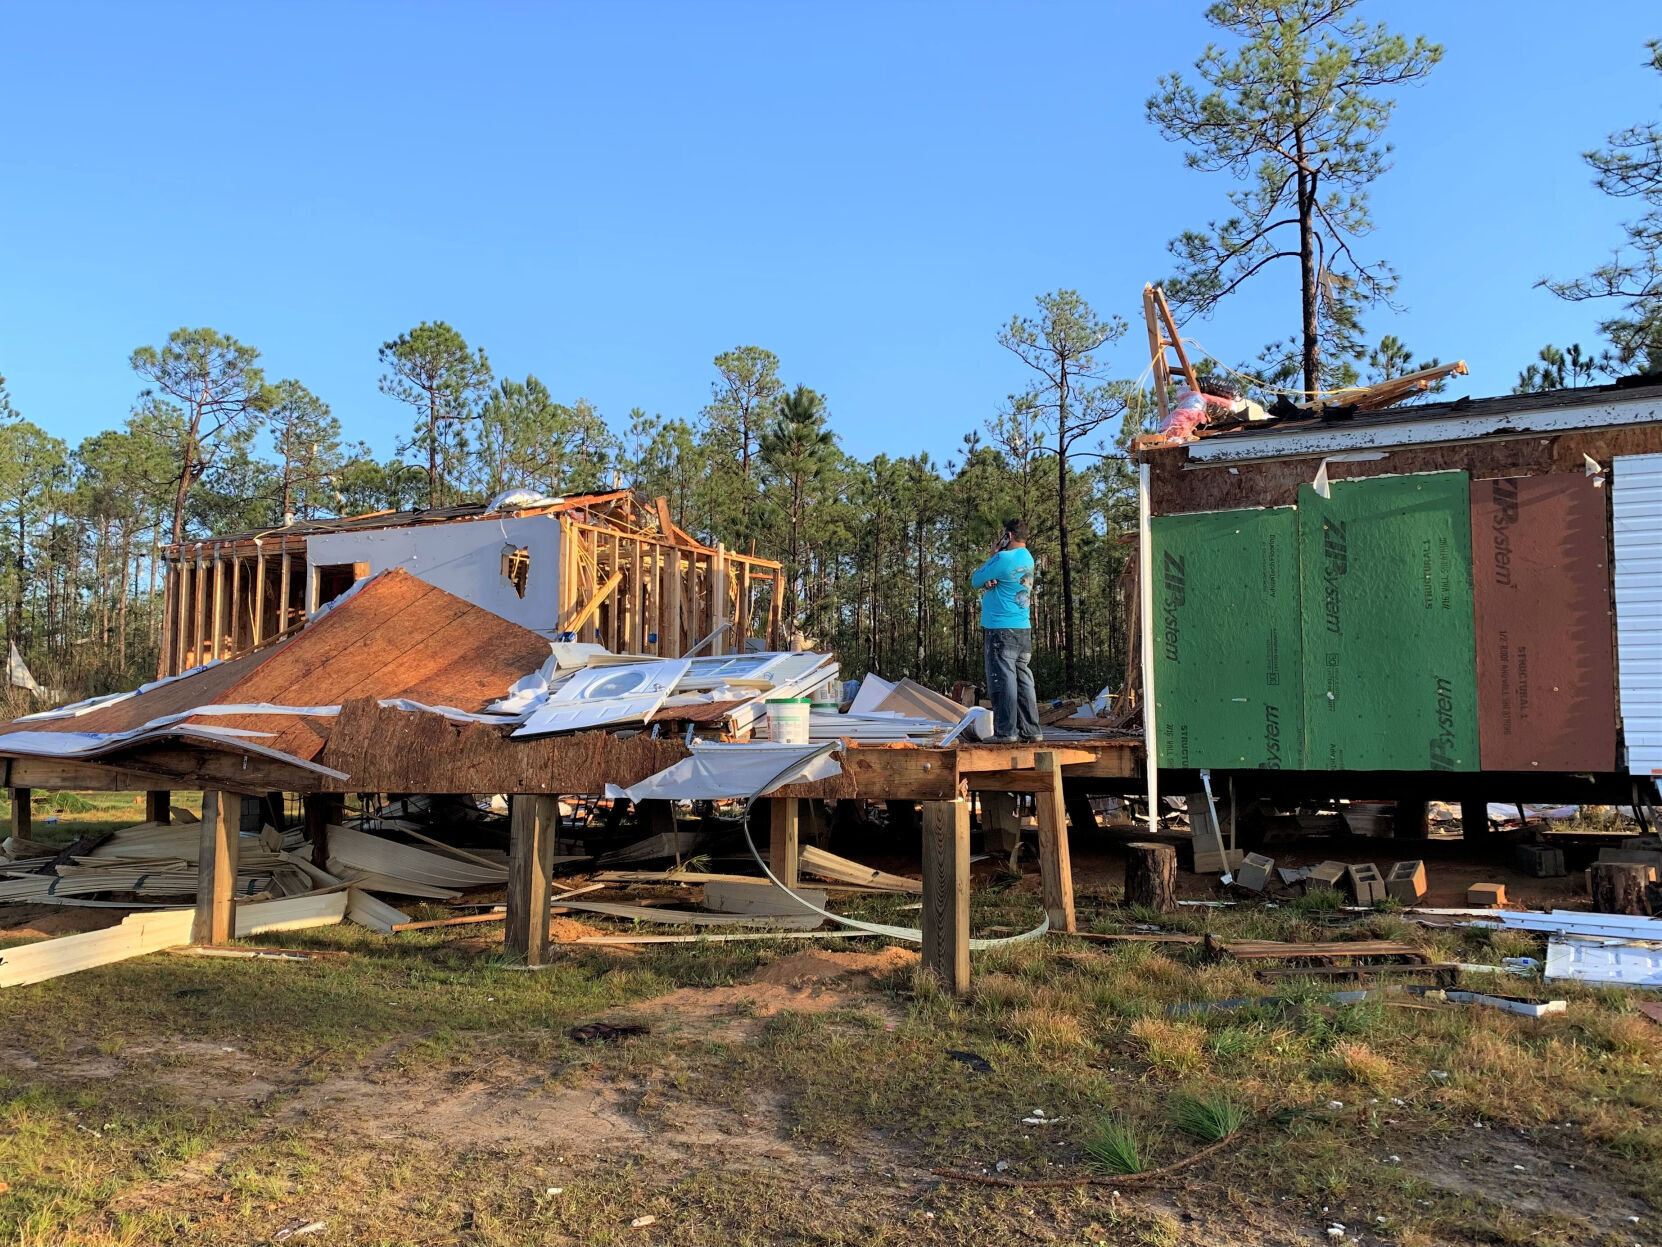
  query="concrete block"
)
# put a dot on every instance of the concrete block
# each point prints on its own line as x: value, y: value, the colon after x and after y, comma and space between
x: 1254, y: 873
x: 1406, y: 882
x: 1210, y: 862
x: 1327, y: 875
x: 1486, y: 894
x: 1366, y: 884
x: 1540, y: 860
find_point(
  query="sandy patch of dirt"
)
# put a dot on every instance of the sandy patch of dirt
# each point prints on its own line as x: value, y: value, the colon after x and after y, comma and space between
x: 39, y: 922
x: 809, y: 982
x: 1530, y: 1176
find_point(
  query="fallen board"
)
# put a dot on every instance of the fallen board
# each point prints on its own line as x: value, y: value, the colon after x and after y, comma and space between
x: 747, y: 935
x: 760, y: 897
x: 830, y: 866
x: 1227, y: 672
x: 680, y: 917
x: 1390, y: 668
x: 153, y: 931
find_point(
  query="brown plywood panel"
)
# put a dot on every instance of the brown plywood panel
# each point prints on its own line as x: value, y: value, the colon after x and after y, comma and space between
x: 1541, y: 581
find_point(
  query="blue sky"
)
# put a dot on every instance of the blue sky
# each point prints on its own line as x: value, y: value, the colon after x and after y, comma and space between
x: 607, y: 195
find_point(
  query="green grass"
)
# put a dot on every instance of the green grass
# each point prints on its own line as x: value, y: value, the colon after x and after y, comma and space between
x: 1211, y: 1119
x: 423, y: 1090
x: 1117, y: 1147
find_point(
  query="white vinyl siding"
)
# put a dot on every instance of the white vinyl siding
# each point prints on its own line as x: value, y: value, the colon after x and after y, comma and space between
x: 1636, y: 503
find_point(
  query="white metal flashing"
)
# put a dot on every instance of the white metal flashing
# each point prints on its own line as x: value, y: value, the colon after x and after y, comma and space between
x: 1341, y: 437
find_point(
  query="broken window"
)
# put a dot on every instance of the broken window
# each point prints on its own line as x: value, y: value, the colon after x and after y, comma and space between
x: 516, y: 567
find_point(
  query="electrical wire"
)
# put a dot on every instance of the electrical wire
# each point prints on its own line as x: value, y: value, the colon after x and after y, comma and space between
x: 910, y: 934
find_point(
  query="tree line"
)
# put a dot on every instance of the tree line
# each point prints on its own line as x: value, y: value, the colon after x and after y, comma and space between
x: 1290, y: 111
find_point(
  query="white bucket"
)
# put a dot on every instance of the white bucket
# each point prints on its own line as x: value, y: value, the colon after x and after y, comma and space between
x: 788, y: 721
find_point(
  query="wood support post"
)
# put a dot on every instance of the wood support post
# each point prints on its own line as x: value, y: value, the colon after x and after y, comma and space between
x: 534, y: 823
x: 1474, y: 821
x: 321, y: 809
x: 946, y: 892
x: 1411, y: 821
x: 784, y: 841
x: 1151, y: 877
x: 23, y: 814
x: 1055, y: 863
x: 216, y: 871
x: 158, y: 807
x: 1000, y: 823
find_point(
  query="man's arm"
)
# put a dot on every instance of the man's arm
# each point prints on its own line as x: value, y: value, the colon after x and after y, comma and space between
x: 987, y: 573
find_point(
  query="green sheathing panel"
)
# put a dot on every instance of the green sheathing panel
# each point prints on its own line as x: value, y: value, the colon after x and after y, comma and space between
x: 1226, y: 639
x: 1390, y: 658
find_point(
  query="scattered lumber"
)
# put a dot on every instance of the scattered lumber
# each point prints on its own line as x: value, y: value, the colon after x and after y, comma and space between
x: 459, y: 920
x: 155, y: 930
x: 260, y: 954
x: 641, y: 913
x: 760, y: 897
x: 725, y: 937
x: 830, y: 866
x: 1261, y: 950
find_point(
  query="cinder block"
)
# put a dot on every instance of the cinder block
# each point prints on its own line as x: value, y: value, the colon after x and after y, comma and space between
x: 1366, y: 885
x: 1209, y: 862
x: 1254, y: 873
x: 1540, y: 860
x: 1486, y: 894
x: 1327, y: 875
x: 1406, y: 882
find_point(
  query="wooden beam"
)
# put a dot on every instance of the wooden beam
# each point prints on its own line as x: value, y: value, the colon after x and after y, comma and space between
x: 259, y: 597
x: 236, y: 602
x: 158, y: 806
x: 181, y: 611
x: 170, y: 608
x: 218, y: 615
x: 776, y: 609
x: 23, y: 814
x: 534, y: 823
x: 216, y: 871
x: 672, y: 605
x: 1055, y: 864
x: 582, y: 617
x: 784, y: 841
x: 1156, y: 353
x: 1008, y: 781
x: 946, y: 892
x: 718, y: 599
x: 321, y: 810
x: 283, y: 592
x: 314, y: 584
x: 178, y: 768
x: 198, y: 630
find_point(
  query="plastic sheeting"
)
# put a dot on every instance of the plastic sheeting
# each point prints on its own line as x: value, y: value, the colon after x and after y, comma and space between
x: 1600, y: 961
x: 718, y: 771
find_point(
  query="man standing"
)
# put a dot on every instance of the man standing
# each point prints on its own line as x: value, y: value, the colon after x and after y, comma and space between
x: 1006, y: 584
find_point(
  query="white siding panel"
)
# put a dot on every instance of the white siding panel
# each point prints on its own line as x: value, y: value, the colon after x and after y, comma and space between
x: 1636, y: 503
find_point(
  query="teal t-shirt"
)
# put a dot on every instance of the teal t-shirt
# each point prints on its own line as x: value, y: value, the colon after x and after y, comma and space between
x: 1009, y: 603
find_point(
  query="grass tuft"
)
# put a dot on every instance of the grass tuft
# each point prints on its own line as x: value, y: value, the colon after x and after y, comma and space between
x: 1319, y: 901
x: 1117, y: 1147
x: 1211, y: 1119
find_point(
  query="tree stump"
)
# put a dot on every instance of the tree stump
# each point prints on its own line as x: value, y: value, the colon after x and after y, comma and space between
x: 1619, y: 888
x: 1151, y: 876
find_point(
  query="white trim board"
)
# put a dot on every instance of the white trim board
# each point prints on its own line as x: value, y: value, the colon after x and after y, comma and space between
x: 1342, y: 436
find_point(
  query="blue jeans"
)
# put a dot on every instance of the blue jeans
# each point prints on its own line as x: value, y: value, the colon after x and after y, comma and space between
x: 1010, y: 683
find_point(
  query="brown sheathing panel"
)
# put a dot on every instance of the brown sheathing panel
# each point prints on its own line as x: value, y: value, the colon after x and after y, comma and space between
x: 1541, y: 581
x: 387, y: 750
x: 1176, y: 490
x: 200, y: 689
x: 398, y: 636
